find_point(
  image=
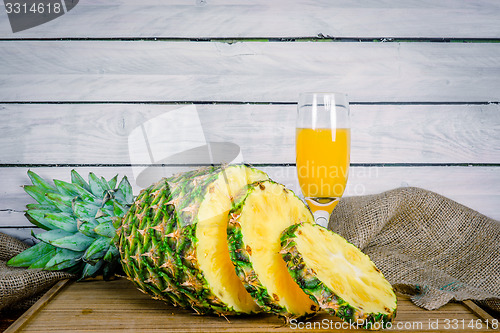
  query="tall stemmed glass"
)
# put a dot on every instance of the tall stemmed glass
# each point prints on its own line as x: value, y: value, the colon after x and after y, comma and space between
x: 323, y: 142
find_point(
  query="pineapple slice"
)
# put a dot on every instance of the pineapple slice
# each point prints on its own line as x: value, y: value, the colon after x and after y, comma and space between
x: 338, y: 276
x: 261, y: 213
x: 211, y: 232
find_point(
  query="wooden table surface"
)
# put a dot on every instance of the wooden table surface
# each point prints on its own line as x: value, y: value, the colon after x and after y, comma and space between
x: 99, y: 306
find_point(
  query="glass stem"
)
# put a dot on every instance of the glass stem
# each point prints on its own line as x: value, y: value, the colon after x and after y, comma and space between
x: 322, y: 217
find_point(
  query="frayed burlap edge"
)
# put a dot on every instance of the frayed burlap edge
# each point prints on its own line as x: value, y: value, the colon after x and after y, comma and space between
x: 21, y: 287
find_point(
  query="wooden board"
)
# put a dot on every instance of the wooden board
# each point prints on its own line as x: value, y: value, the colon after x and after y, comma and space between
x: 265, y: 133
x: 119, y: 71
x: 271, y: 19
x: 100, y: 306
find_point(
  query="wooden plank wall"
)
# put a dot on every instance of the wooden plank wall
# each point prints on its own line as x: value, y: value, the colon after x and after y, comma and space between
x: 423, y: 78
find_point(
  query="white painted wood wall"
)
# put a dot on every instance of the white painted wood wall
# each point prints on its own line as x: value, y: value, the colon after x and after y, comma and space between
x: 423, y: 78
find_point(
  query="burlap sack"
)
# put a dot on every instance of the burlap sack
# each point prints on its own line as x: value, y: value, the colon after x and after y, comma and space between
x: 21, y: 287
x: 426, y: 245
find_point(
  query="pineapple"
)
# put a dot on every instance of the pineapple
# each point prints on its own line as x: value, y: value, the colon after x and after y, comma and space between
x: 338, y: 276
x: 171, y: 239
x: 261, y: 212
x: 221, y: 240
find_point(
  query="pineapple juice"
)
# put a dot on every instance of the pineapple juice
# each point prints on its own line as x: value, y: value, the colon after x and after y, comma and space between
x: 323, y: 160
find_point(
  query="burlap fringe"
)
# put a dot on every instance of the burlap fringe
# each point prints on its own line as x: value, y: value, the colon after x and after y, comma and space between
x: 21, y: 287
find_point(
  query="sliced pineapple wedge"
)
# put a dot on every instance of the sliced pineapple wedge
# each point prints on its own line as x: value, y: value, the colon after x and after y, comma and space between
x: 211, y: 232
x: 262, y: 211
x: 338, y: 276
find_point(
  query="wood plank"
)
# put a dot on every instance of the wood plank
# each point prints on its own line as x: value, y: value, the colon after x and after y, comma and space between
x: 474, y: 187
x: 99, y: 133
x: 44, y: 300
x: 478, y: 311
x: 24, y: 233
x: 247, y: 72
x: 272, y: 19
x: 98, y: 306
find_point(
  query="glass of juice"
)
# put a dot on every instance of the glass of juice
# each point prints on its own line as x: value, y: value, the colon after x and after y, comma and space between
x: 323, y: 144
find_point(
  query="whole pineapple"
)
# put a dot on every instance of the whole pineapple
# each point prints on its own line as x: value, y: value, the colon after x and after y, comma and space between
x: 171, y: 238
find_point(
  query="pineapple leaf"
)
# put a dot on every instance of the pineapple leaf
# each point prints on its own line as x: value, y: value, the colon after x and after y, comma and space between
x: 106, y: 229
x: 65, y: 188
x: 97, y: 186
x: 109, y: 270
x: 105, y: 184
x: 53, y: 235
x: 84, y: 211
x: 119, y: 209
x: 30, y: 255
x: 52, y: 220
x: 87, y: 228
x: 104, y: 219
x: 39, y: 207
x: 39, y: 182
x: 97, y: 249
x: 35, y: 222
x: 106, y: 209
x: 126, y: 190
x: 42, y: 260
x: 112, y: 254
x: 62, y: 202
x: 90, y: 270
x: 38, y: 194
x: 63, y: 258
x: 77, y: 242
x: 112, y: 182
x: 83, y: 193
x: 77, y: 179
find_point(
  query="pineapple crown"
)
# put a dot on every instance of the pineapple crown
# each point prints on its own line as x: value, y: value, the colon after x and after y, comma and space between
x: 81, y: 219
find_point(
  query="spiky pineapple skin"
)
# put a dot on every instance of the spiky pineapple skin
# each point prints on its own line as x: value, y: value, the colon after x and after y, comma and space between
x: 240, y: 256
x: 320, y: 293
x: 157, y: 242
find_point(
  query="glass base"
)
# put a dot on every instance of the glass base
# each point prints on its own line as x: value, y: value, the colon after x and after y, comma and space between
x: 322, y: 217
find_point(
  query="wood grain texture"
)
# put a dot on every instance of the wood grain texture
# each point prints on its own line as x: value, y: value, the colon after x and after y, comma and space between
x: 100, y: 306
x: 272, y: 19
x: 40, y: 304
x: 247, y: 71
x: 98, y: 133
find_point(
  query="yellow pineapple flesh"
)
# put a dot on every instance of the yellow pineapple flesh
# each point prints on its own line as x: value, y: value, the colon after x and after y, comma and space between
x: 342, y: 279
x: 259, y: 217
x: 212, y: 251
